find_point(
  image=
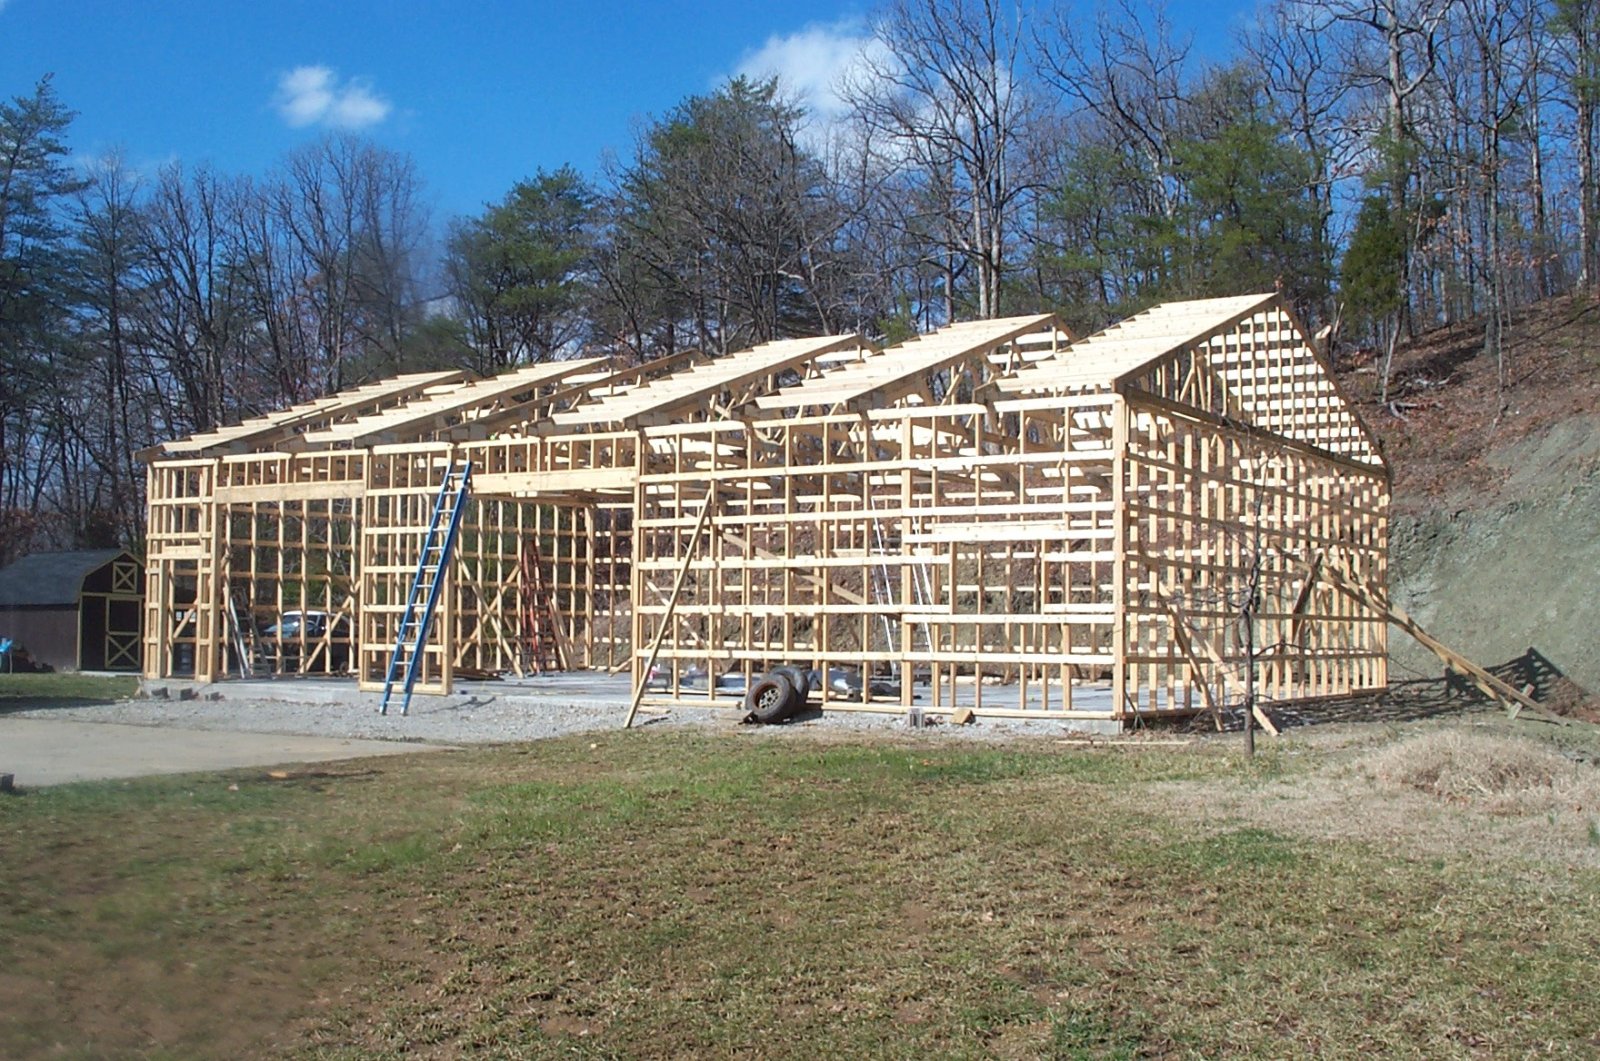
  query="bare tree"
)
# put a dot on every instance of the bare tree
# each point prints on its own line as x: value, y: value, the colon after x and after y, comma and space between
x: 1575, y: 25
x: 950, y: 100
x: 107, y: 261
x: 192, y: 310
x: 1132, y: 74
x: 1295, y: 55
x: 352, y: 210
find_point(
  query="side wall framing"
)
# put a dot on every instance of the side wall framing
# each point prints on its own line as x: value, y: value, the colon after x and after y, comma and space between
x: 1075, y: 556
x: 237, y: 542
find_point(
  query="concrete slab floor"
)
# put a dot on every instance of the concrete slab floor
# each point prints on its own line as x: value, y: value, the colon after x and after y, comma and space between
x: 584, y: 688
x: 49, y: 752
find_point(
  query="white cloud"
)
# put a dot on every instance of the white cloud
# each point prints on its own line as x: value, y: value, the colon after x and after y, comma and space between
x: 95, y: 162
x: 814, y: 64
x: 314, y: 95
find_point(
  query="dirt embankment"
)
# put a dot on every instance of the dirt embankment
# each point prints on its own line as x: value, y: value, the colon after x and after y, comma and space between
x: 1495, y: 544
x: 1520, y: 572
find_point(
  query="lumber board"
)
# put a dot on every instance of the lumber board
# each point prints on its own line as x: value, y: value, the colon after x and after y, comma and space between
x: 303, y: 491
x: 1345, y: 581
x: 556, y: 482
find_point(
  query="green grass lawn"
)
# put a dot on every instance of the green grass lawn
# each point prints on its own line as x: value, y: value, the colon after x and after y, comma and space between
x: 44, y: 689
x: 715, y: 894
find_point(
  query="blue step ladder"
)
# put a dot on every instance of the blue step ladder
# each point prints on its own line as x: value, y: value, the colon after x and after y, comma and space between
x: 405, y: 666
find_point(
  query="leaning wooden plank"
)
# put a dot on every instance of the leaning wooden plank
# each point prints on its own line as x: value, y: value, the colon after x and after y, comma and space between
x: 672, y: 604
x: 1339, y: 575
x: 1180, y: 634
x: 1265, y: 722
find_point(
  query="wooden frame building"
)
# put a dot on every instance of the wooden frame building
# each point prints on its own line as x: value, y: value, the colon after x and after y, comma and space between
x: 993, y: 516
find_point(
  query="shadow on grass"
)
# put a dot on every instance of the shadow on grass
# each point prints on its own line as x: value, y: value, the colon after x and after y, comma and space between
x: 32, y: 692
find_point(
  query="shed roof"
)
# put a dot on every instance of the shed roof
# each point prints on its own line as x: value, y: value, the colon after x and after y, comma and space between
x: 46, y: 579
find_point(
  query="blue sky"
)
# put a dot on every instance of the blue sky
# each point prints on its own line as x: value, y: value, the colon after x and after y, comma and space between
x: 479, y: 94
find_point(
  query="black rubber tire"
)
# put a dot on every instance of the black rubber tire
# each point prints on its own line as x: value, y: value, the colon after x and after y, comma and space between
x: 799, y: 677
x: 772, y: 699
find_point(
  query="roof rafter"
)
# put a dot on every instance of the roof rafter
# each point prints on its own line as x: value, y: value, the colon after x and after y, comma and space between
x: 264, y: 431
x: 891, y: 373
x: 442, y: 410
x: 659, y: 400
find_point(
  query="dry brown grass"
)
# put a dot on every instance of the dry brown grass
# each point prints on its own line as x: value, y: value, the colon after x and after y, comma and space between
x: 1454, y: 410
x: 1497, y: 773
x: 1477, y: 791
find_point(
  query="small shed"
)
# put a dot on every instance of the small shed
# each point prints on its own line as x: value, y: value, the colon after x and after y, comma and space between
x: 79, y: 610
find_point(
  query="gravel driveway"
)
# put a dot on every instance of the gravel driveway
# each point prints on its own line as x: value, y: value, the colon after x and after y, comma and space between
x: 54, y: 751
x: 483, y: 713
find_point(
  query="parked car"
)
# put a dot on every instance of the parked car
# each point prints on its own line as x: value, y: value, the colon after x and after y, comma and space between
x: 302, y: 630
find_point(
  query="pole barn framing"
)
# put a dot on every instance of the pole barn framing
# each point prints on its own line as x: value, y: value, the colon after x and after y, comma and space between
x: 995, y: 516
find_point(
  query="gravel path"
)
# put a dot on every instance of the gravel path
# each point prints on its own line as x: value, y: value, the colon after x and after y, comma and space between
x: 468, y: 722
x: 477, y: 718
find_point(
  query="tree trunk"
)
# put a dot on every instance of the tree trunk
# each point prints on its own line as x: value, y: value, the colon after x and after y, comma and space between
x: 1544, y: 280
x: 1586, y: 189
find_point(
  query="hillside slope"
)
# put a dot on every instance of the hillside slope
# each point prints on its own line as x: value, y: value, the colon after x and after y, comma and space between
x: 1494, y: 545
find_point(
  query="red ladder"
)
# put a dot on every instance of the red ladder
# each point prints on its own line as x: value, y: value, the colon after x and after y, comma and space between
x: 541, y: 631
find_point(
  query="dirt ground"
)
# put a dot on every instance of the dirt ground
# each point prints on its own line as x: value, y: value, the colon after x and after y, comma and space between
x: 1496, y: 490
